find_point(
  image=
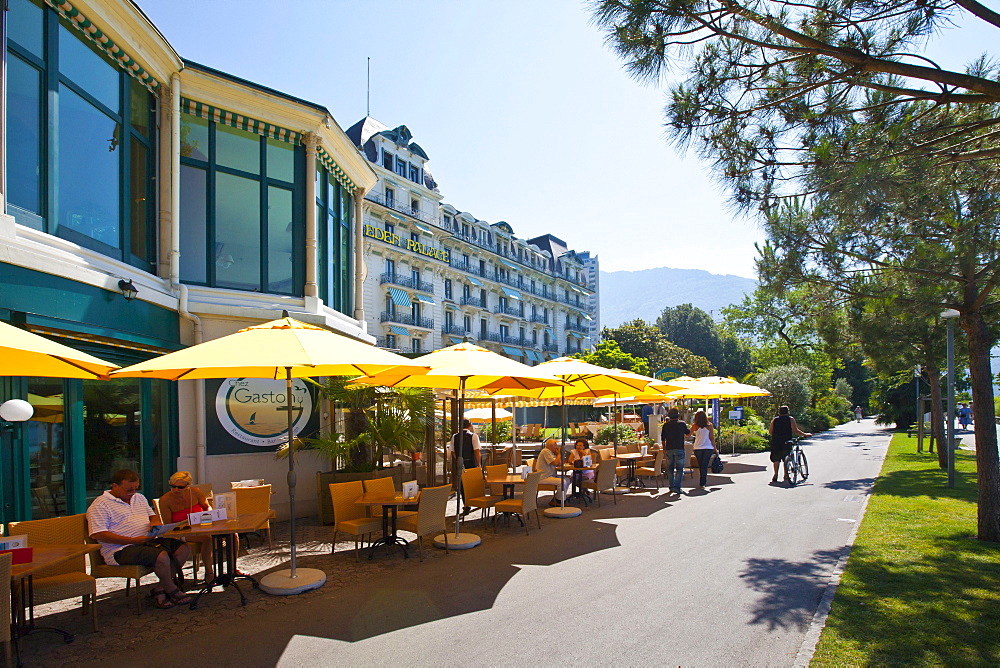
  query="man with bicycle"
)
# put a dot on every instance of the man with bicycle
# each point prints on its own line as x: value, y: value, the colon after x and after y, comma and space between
x: 782, y: 430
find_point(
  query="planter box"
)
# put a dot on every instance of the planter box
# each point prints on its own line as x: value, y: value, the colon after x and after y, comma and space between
x: 324, y: 479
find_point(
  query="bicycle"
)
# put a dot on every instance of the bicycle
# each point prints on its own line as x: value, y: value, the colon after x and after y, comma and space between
x: 796, y: 465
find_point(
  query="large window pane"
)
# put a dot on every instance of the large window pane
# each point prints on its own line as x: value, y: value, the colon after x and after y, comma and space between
x: 24, y: 163
x: 237, y: 232
x: 138, y: 192
x: 111, y: 431
x: 193, y: 221
x: 84, y: 67
x: 237, y: 149
x: 194, y: 137
x: 88, y: 164
x: 280, y: 160
x: 345, y: 269
x: 24, y: 26
x: 279, y: 241
x: 140, y: 107
x: 46, y: 454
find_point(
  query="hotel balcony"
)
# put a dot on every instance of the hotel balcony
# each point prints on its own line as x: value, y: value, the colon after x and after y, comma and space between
x: 407, y: 319
x: 406, y: 282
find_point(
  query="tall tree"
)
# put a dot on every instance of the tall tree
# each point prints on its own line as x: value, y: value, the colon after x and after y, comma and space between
x: 608, y: 354
x: 690, y: 327
x: 641, y: 339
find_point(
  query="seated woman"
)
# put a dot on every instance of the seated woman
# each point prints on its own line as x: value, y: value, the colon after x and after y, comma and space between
x: 182, y: 500
x: 580, y: 450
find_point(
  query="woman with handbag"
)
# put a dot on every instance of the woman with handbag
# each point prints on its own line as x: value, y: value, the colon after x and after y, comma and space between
x: 704, y: 445
x: 782, y: 429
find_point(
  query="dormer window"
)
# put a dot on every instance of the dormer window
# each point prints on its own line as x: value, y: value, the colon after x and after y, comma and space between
x: 401, y: 167
x: 387, y: 160
x: 414, y: 173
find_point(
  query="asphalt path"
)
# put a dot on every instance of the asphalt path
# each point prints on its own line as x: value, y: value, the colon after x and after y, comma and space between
x: 728, y: 575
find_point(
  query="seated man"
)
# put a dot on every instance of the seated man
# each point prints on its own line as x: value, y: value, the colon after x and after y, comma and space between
x: 547, y: 461
x: 120, y: 520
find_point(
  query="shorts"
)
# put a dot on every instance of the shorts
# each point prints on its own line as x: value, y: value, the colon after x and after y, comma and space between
x: 147, y: 553
x: 779, y: 452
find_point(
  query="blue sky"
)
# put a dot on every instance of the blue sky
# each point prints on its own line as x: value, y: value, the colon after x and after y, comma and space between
x: 527, y: 117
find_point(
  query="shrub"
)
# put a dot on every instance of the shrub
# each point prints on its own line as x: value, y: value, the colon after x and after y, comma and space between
x: 815, y: 420
x: 788, y: 385
x: 626, y: 435
x: 744, y: 438
x: 503, y: 432
x: 836, y: 407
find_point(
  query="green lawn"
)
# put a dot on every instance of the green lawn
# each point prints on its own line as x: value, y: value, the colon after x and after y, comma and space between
x: 919, y: 589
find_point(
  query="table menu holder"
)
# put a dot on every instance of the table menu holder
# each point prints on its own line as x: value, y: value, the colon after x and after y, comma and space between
x: 9, y: 543
x: 208, y: 516
x: 644, y: 450
x: 227, y: 501
x: 588, y: 461
x: 410, y: 489
x: 525, y: 470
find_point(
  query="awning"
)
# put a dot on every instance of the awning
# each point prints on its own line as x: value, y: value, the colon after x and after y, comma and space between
x: 399, y: 219
x: 509, y: 265
x: 532, y: 355
x: 452, y: 307
x: 400, y: 297
x: 424, y: 298
x: 576, y: 335
x: 456, y: 339
x: 548, y: 330
x: 423, y: 228
x: 516, y: 352
x: 578, y: 290
x: 513, y: 294
x: 396, y: 329
x: 475, y: 281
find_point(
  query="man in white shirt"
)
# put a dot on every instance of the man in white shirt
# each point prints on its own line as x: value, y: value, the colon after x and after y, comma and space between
x: 467, y: 446
x: 546, y: 462
x: 120, y: 519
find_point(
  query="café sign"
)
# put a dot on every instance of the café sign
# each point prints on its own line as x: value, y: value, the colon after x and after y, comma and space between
x: 373, y: 232
x: 255, y: 410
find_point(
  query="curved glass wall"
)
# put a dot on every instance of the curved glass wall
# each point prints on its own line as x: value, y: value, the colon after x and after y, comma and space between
x: 334, y: 207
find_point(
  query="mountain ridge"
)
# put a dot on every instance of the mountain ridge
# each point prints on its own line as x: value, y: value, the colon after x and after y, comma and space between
x: 644, y: 293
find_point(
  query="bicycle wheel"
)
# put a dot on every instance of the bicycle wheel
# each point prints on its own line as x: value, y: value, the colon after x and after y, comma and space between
x: 803, y: 466
x: 791, y: 470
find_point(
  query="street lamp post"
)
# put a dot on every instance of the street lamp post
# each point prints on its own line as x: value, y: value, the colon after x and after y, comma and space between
x: 949, y: 315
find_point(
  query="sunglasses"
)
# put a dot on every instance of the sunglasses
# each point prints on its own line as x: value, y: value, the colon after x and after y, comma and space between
x: 178, y: 487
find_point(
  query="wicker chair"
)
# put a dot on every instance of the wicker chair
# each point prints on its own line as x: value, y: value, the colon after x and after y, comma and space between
x: 5, y: 568
x: 101, y: 569
x: 205, y: 488
x: 386, y: 486
x: 348, y: 516
x: 474, y: 487
x: 604, y: 481
x: 69, y: 579
x: 430, y: 516
x: 256, y: 500
x: 523, y: 504
x: 654, y: 471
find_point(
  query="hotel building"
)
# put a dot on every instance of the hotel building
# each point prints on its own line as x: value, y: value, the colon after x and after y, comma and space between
x: 148, y: 203
x: 437, y: 275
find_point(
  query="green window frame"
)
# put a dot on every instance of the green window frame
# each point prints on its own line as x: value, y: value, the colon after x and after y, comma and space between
x: 335, y: 261
x: 201, y: 210
x: 127, y: 231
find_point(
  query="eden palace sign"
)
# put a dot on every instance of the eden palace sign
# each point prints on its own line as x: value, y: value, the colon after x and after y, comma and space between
x: 374, y: 232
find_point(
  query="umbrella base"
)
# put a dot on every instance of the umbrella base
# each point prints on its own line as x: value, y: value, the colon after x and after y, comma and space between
x: 463, y: 541
x: 281, y: 583
x: 619, y: 490
x: 562, y: 513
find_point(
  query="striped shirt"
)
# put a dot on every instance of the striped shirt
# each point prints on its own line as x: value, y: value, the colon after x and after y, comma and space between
x: 109, y: 513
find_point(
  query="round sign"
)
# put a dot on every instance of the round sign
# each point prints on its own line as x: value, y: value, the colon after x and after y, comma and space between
x: 255, y: 410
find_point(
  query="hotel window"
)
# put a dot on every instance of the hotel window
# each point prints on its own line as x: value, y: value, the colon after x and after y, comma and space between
x: 534, y: 337
x: 390, y: 306
x: 415, y: 344
x: 390, y: 228
x: 400, y: 167
x: 414, y: 206
x: 390, y: 197
x: 482, y: 268
x: 415, y: 277
x: 415, y: 312
x: 449, y: 320
x: 504, y: 332
x: 465, y: 259
x: 387, y: 160
x: 465, y: 291
x: 467, y: 323
x: 449, y: 222
x: 503, y: 304
x: 81, y: 139
x: 390, y: 340
x: 482, y: 298
x: 521, y: 333
x: 465, y: 230
x: 482, y: 328
x: 241, y: 218
x: 414, y: 173
x: 415, y: 237
x: 390, y: 267
x: 447, y: 288
x: 334, y: 213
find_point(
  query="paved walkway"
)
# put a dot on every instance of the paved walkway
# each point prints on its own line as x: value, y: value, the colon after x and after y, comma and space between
x: 727, y: 575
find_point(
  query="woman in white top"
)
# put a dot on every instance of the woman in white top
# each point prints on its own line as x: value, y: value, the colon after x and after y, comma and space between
x: 704, y: 445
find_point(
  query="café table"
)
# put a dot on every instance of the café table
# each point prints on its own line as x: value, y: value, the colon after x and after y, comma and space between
x: 577, y: 479
x: 390, y: 512
x: 509, y: 481
x: 225, y: 545
x: 630, y: 459
x: 23, y: 595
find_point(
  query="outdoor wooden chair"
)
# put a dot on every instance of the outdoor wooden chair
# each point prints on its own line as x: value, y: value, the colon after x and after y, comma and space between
x: 349, y: 517
x: 69, y: 579
x: 604, y: 481
x: 430, y: 516
x: 474, y: 488
x: 206, y: 489
x: 522, y: 505
x: 256, y: 500
x: 101, y: 569
x: 654, y: 471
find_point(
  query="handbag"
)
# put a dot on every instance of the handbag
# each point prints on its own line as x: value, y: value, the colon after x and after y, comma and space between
x: 717, y: 463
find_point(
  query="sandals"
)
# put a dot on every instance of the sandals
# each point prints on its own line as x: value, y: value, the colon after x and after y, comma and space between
x: 162, y: 600
x: 178, y: 597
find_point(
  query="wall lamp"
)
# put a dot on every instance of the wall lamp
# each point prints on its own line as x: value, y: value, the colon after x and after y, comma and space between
x: 14, y: 410
x: 128, y: 289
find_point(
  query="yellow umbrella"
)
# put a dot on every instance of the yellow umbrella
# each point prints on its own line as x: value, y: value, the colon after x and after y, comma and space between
x: 481, y: 415
x: 23, y: 353
x: 284, y: 348
x: 463, y: 366
x: 716, y: 387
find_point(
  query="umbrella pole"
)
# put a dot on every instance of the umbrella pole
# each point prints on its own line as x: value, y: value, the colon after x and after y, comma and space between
x: 615, y: 423
x: 562, y: 511
x: 291, y: 581
x: 460, y: 541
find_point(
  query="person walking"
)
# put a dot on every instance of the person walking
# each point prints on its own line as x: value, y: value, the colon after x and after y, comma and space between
x: 704, y: 445
x: 782, y: 429
x: 965, y: 416
x: 858, y: 413
x: 672, y: 436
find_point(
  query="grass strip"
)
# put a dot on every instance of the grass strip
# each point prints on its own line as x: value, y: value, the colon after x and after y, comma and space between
x: 919, y: 589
